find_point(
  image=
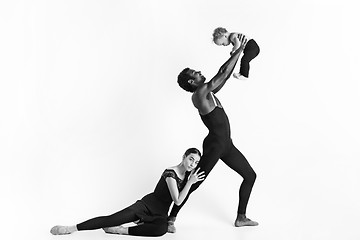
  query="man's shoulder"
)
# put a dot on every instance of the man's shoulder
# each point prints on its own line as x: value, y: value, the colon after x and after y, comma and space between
x: 200, y: 98
x: 203, y: 89
x: 201, y: 92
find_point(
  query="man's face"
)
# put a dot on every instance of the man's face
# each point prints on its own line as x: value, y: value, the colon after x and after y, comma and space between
x: 197, y: 77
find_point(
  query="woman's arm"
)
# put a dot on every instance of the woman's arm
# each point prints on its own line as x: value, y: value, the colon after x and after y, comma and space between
x: 179, y: 197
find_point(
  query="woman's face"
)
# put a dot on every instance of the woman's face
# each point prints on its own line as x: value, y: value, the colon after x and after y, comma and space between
x: 191, y: 161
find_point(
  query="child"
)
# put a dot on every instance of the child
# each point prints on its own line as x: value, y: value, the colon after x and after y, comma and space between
x: 222, y: 37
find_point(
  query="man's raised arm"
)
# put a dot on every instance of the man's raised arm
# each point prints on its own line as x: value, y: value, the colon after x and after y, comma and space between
x: 224, y: 73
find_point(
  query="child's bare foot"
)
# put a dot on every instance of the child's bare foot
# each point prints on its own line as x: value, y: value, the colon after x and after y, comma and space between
x: 239, y: 76
x: 171, y: 225
x: 115, y: 230
x: 62, y: 230
x: 242, y: 221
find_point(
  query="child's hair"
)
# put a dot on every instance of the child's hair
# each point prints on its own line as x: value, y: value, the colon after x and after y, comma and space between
x: 192, y: 150
x: 219, y: 32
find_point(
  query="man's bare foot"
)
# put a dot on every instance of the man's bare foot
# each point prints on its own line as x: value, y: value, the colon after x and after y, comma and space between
x: 242, y: 221
x: 171, y: 225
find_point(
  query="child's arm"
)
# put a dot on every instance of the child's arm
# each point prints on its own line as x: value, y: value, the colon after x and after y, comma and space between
x: 234, y: 41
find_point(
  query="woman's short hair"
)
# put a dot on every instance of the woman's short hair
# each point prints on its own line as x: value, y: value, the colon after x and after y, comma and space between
x: 183, y: 80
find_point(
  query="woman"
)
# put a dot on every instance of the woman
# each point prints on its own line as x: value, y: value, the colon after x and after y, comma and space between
x: 151, y: 212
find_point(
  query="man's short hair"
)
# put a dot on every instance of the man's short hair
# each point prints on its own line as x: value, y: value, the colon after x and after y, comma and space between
x: 183, y: 80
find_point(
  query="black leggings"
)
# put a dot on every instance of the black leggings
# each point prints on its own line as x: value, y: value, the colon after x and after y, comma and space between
x: 233, y: 158
x: 157, y: 227
x: 250, y: 52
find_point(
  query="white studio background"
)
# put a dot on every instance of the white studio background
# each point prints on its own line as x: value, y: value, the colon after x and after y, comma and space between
x: 91, y: 114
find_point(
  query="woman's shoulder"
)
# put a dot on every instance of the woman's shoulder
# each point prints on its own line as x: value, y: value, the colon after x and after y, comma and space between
x: 171, y: 172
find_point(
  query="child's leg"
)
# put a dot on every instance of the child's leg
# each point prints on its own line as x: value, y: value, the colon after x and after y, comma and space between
x: 250, y: 52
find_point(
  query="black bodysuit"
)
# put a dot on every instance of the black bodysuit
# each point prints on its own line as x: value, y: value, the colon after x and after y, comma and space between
x: 218, y: 145
x: 152, y: 211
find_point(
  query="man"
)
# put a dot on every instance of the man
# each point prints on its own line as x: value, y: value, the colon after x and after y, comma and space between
x: 218, y: 144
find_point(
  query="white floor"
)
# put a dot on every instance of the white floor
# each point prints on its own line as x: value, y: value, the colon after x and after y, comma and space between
x: 284, y: 225
x: 210, y: 213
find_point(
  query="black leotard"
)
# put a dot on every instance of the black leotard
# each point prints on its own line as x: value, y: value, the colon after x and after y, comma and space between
x: 218, y: 145
x: 159, y: 201
x: 151, y: 210
x: 218, y: 125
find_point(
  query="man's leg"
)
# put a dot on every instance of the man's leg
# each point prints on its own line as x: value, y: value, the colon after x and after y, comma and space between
x: 206, y: 164
x: 236, y: 161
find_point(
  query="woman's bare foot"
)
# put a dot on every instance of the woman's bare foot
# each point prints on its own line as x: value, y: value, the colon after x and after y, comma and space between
x: 62, y: 230
x: 242, y: 221
x: 171, y: 225
x: 116, y: 230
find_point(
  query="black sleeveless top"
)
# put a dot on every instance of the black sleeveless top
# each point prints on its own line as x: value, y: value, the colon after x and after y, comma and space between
x: 159, y: 201
x: 217, y: 123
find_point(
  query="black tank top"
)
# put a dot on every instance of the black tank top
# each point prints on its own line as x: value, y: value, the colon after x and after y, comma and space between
x: 217, y: 122
x: 159, y: 201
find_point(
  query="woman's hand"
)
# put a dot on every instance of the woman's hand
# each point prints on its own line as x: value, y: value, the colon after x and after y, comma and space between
x: 195, y: 176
